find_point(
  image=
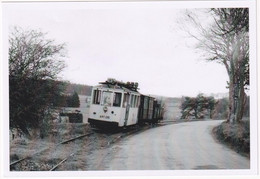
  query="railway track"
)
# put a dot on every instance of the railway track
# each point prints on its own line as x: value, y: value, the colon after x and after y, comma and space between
x: 30, y: 158
x: 55, y: 164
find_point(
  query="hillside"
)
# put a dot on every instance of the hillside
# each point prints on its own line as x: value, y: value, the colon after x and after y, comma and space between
x: 79, y: 88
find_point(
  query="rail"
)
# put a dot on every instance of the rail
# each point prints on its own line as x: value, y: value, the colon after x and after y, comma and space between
x: 56, y: 166
x: 63, y: 142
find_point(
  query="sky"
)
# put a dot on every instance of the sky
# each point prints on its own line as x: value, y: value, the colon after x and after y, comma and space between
x: 139, y: 42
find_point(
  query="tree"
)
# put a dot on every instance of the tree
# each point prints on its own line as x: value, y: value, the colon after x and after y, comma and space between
x: 211, y: 106
x: 226, y: 41
x: 59, y: 99
x: 73, y: 100
x: 187, y: 107
x: 34, y: 63
x: 221, y: 109
x: 197, y: 107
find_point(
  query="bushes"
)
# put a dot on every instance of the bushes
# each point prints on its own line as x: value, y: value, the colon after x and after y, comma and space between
x: 236, y: 135
x: 73, y: 117
x: 71, y: 100
x: 221, y: 109
x: 34, y: 65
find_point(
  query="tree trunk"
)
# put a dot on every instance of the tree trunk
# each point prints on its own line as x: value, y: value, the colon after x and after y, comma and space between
x: 237, y: 96
x: 231, y: 105
x: 240, y: 104
x: 196, y: 113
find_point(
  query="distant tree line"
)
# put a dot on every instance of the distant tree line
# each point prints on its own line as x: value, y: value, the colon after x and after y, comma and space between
x: 79, y: 88
x: 208, y: 107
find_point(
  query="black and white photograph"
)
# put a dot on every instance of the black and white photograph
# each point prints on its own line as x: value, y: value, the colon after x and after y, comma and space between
x: 129, y: 88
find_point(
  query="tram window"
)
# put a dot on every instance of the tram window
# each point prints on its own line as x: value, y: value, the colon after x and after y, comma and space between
x: 137, y: 101
x: 132, y: 100
x: 146, y: 102
x: 126, y: 100
x: 96, y: 97
x: 117, y: 99
x: 151, y: 103
x: 106, y: 100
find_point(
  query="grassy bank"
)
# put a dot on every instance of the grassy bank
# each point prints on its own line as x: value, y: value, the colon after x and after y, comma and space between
x: 23, y: 147
x: 236, y: 136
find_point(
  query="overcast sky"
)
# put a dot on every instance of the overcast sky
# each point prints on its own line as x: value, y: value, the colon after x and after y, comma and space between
x: 139, y: 42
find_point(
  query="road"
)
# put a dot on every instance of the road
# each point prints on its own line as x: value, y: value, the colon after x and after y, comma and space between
x: 187, y: 145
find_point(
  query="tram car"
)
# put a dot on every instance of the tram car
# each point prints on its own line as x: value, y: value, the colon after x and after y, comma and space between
x: 116, y: 104
x: 149, y: 110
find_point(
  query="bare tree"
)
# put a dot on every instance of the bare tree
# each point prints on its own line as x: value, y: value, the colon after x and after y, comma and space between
x: 226, y: 41
x: 34, y: 63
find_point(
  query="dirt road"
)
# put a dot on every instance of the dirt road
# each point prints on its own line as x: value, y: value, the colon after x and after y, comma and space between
x: 179, y: 146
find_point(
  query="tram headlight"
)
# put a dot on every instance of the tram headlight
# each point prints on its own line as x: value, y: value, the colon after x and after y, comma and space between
x: 105, y: 109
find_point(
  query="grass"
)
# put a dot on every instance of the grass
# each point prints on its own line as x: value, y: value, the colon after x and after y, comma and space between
x: 23, y: 147
x: 236, y: 136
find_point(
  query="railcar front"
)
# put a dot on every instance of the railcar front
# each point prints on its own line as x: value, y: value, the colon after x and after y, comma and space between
x: 113, y: 106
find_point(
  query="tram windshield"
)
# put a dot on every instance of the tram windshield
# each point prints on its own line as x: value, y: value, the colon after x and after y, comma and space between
x: 106, y: 100
x: 126, y: 100
x: 117, y: 99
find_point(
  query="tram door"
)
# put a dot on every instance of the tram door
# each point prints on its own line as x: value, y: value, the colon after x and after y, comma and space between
x: 126, y: 105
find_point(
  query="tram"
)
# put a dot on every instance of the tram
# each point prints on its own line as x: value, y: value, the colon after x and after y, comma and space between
x: 116, y: 104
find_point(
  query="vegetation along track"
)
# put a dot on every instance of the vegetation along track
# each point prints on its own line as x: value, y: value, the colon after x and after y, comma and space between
x: 36, y: 162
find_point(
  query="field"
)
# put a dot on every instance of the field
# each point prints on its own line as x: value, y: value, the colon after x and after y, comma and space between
x: 172, y: 110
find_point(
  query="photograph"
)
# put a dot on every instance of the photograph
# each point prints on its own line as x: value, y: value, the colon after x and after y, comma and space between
x: 126, y: 88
